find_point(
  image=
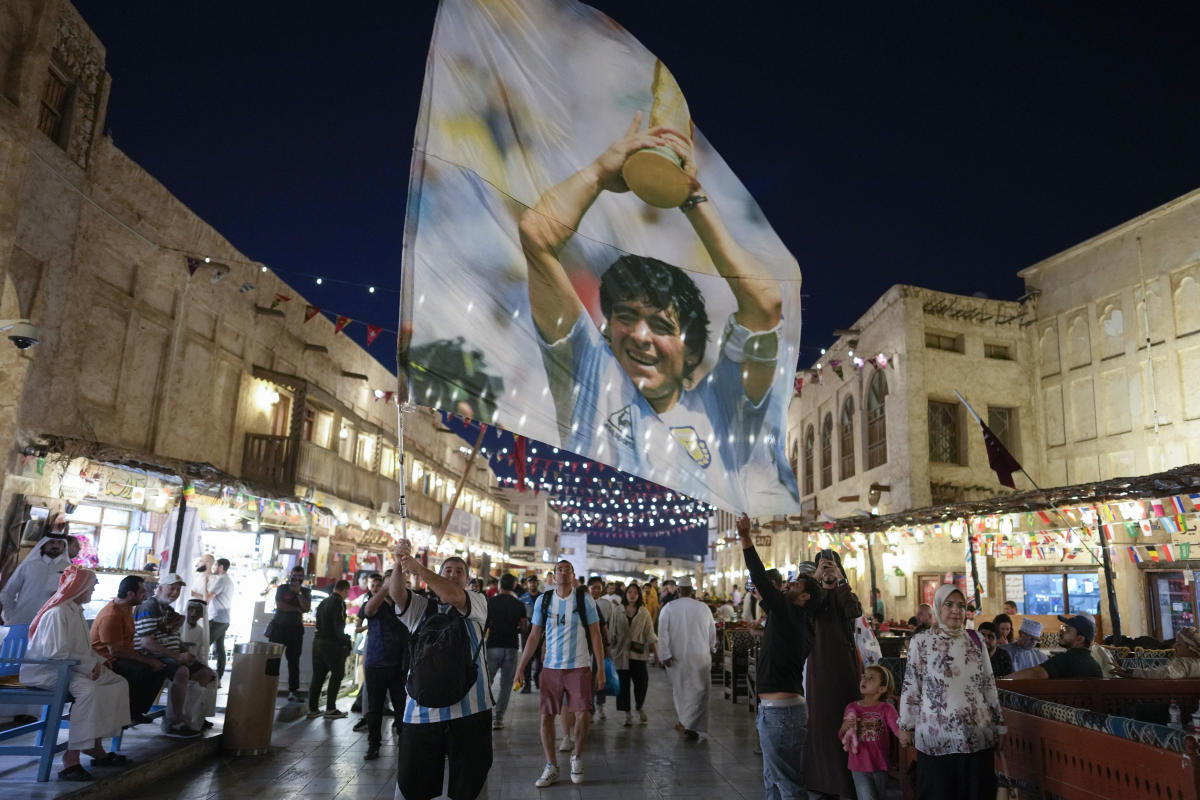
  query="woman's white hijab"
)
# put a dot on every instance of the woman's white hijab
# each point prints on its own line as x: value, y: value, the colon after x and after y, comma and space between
x: 939, y: 600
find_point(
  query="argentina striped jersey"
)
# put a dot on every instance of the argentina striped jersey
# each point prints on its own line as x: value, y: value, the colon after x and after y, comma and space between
x: 479, y: 697
x: 566, y: 638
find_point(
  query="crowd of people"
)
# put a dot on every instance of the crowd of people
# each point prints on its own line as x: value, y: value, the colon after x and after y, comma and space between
x: 447, y: 652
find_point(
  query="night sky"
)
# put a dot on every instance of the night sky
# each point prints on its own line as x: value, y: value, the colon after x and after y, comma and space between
x: 945, y: 145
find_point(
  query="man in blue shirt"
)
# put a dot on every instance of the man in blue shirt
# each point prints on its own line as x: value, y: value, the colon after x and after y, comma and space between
x: 385, y: 664
x: 629, y: 389
x: 570, y: 630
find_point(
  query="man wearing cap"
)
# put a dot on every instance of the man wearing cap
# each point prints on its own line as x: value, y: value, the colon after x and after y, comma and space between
x: 1185, y: 664
x: 157, y: 640
x: 36, y: 579
x: 687, y: 635
x: 1024, y: 651
x: 1076, y: 635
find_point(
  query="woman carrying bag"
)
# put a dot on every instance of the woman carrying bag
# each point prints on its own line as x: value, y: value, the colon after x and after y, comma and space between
x: 949, y: 709
x: 633, y: 642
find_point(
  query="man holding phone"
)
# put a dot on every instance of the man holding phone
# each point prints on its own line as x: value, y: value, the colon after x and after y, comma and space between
x: 292, y: 601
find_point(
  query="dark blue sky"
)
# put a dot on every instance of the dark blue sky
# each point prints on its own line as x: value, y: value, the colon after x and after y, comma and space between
x: 947, y: 145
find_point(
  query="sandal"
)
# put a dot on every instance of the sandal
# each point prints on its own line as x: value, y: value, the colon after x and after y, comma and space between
x: 110, y: 760
x: 75, y: 773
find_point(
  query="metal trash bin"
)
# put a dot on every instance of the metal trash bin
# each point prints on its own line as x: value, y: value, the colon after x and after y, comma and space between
x: 250, y: 709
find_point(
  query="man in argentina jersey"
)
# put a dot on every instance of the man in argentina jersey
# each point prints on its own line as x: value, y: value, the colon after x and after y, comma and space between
x: 566, y: 666
x: 629, y: 389
x: 461, y: 732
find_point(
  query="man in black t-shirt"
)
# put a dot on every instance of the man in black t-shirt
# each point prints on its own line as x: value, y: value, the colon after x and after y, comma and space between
x: 506, y: 618
x: 787, y: 641
x: 292, y: 601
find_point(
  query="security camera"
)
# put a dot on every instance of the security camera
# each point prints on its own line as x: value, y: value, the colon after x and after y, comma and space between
x: 21, y: 332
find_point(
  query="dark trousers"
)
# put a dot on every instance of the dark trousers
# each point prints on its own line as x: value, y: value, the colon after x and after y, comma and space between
x: 636, y: 676
x: 381, y: 683
x: 466, y: 743
x: 144, y: 684
x: 216, y: 634
x: 292, y: 639
x: 533, y: 670
x: 964, y: 775
x: 328, y: 658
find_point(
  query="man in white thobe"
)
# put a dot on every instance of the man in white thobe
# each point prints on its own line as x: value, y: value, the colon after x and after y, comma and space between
x: 36, y: 578
x: 100, y: 708
x: 687, y: 636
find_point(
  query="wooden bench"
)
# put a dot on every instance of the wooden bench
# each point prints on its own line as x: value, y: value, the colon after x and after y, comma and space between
x: 1053, y: 750
x: 1135, y: 698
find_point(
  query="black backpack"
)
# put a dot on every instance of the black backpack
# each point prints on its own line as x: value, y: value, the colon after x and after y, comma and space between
x: 580, y: 603
x: 442, y: 668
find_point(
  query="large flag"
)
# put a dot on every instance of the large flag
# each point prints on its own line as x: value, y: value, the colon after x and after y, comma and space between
x: 654, y: 330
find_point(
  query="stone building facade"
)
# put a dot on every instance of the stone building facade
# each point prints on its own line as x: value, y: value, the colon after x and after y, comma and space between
x: 144, y: 360
x: 1116, y: 366
x: 900, y: 425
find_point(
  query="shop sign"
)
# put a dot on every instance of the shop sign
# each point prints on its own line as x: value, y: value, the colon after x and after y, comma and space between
x: 762, y: 541
x: 524, y: 555
x: 112, y: 484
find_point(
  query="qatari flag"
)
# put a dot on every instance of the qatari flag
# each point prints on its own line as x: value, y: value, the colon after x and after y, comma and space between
x: 999, y: 459
x: 1002, y: 462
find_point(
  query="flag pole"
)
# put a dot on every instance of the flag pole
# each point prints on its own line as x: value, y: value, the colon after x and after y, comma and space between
x: 974, y: 574
x: 1110, y: 589
x: 461, y: 483
x: 1040, y: 490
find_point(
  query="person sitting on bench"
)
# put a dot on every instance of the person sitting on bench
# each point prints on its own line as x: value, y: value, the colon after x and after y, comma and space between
x: 100, y: 704
x: 1185, y: 664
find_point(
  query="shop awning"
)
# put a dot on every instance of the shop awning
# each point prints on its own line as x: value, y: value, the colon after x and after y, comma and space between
x: 1183, y: 480
x: 162, y: 467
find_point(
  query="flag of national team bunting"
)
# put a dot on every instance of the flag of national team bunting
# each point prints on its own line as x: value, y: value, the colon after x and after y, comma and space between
x: 583, y: 268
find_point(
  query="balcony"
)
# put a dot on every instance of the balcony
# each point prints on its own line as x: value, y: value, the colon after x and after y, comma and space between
x: 324, y: 470
x: 268, y: 461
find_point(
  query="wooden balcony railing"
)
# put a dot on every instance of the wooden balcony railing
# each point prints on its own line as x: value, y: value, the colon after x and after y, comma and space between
x: 268, y: 460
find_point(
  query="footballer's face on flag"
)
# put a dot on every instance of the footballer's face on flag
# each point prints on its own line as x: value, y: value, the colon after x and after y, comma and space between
x: 649, y: 346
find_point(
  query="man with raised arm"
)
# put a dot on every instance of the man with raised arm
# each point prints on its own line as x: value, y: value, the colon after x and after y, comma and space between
x: 460, y: 732
x: 611, y: 384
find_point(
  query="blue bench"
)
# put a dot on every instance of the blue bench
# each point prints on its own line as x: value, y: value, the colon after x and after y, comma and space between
x: 12, y: 656
x: 12, y: 692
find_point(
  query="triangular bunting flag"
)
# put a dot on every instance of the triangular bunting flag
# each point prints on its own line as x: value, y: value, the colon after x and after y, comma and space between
x: 193, y: 264
x: 279, y: 298
x: 341, y: 322
x: 310, y: 311
x: 372, y: 334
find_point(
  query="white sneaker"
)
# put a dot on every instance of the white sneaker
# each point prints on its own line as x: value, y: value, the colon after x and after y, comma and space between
x: 642, y: 716
x: 576, y: 769
x: 600, y: 713
x: 566, y: 745
x: 628, y: 720
x: 549, y: 777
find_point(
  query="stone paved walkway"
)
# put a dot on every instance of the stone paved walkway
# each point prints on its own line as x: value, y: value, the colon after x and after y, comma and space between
x: 320, y: 759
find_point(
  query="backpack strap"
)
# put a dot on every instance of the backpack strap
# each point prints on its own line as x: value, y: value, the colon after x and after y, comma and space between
x: 546, y: 608
x: 975, y: 637
x: 581, y: 595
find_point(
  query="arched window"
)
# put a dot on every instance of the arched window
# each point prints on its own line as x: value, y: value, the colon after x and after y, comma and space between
x: 810, y: 443
x: 846, y: 439
x: 877, y: 421
x: 827, y: 452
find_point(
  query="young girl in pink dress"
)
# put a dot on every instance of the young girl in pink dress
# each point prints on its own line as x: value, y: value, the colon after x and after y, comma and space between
x: 865, y: 733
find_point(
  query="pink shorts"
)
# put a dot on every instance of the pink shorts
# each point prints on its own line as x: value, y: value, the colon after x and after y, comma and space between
x: 575, y: 683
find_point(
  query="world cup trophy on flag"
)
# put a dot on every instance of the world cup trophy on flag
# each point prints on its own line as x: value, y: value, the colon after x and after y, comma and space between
x: 655, y: 174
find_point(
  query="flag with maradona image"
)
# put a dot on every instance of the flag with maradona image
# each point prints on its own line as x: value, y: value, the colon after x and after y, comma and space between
x: 582, y: 267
